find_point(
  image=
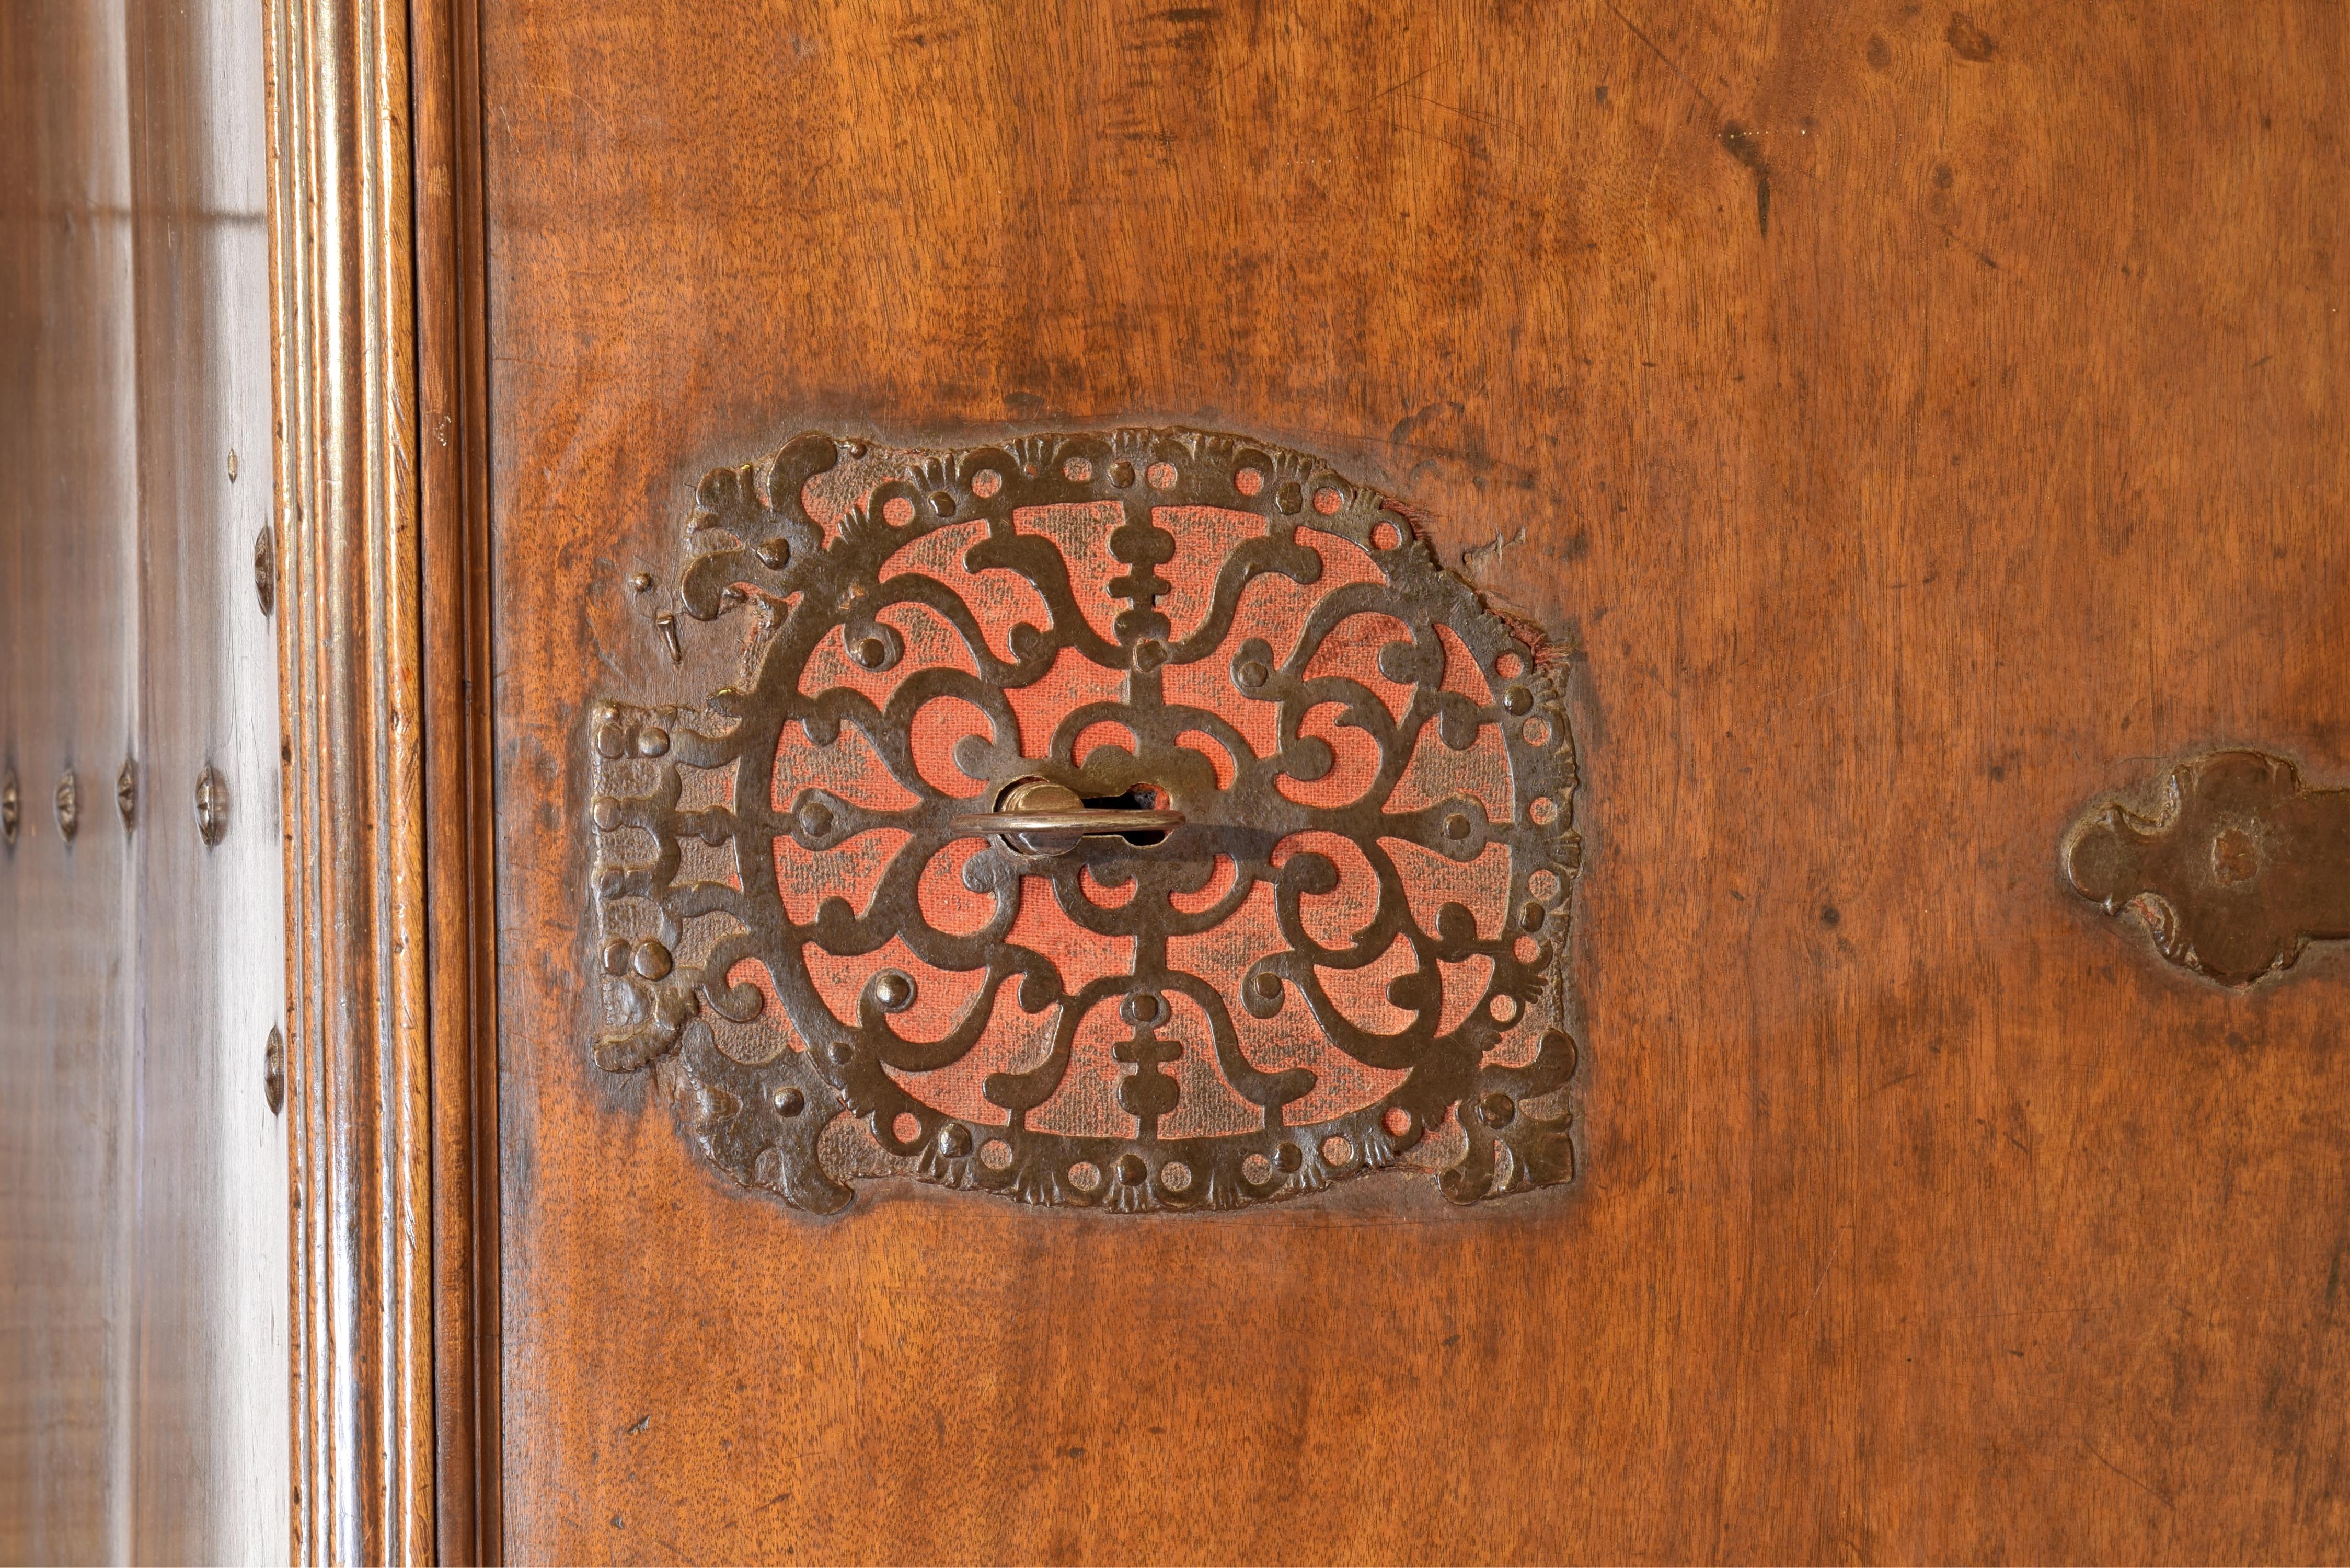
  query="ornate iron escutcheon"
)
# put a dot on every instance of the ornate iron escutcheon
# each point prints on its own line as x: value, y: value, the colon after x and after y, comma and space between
x: 1136, y: 820
x: 2237, y: 869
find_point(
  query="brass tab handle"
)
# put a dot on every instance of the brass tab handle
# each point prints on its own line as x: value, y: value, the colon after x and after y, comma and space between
x: 2233, y: 862
x: 1045, y: 818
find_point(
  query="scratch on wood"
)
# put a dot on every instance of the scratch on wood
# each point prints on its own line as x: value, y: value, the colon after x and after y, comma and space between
x: 1979, y: 255
x: 2134, y: 1480
x: 1478, y: 557
x: 1671, y: 64
x: 1396, y: 87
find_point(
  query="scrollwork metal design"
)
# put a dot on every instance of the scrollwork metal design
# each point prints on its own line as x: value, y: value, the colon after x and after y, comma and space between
x: 1347, y: 956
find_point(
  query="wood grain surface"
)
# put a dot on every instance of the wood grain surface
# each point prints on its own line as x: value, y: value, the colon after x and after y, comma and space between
x: 1918, y: 419
x: 143, y: 1397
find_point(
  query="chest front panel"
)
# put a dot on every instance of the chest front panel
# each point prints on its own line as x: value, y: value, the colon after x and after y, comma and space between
x: 1882, y: 434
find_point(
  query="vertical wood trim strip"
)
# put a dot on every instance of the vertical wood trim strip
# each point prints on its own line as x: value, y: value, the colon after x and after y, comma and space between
x: 453, y: 496
x: 352, y: 666
x: 407, y: 1152
x: 290, y: 115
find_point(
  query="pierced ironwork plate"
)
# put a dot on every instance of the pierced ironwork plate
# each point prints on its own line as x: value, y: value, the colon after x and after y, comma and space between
x: 1347, y: 957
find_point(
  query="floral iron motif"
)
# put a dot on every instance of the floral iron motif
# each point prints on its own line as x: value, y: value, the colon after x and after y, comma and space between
x: 2240, y: 868
x: 1318, y: 932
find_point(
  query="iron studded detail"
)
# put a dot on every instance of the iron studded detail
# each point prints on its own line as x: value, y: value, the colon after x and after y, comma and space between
x: 212, y: 806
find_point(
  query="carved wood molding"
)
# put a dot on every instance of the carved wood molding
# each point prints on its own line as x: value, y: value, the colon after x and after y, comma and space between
x: 384, y: 1053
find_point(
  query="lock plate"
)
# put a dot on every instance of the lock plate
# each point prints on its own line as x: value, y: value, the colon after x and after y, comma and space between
x: 1345, y: 956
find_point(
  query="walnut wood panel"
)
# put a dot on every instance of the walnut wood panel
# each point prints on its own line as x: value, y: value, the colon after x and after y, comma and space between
x: 1918, y: 419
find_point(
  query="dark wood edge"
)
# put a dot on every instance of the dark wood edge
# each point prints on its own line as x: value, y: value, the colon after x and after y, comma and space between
x: 452, y: 472
x: 363, y: 1260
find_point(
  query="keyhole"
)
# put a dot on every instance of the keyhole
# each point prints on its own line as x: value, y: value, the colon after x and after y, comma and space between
x: 1140, y: 797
